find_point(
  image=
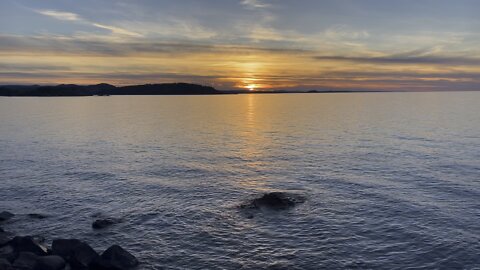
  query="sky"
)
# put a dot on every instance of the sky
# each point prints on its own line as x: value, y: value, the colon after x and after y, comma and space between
x: 244, y: 44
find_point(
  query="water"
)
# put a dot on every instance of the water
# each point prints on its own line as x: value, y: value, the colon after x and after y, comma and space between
x: 392, y: 180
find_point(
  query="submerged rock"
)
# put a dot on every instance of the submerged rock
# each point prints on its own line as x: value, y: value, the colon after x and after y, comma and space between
x: 275, y: 200
x: 28, y: 244
x: 52, y: 262
x: 5, y: 215
x: 103, y: 223
x: 79, y: 254
x: 115, y: 257
x: 37, y: 216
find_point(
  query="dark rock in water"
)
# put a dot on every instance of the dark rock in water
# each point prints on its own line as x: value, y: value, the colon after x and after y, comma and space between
x: 79, y: 254
x: 5, y: 265
x: 25, y: 261
x: 37, y: 216
x: 5, y: 215
x: 28, y: 244
x: 2, y: 230
x: 7, y: 253
x: 5, y: 238
x: 115, y: 258
x: 103, y: 223
x: 52, y: 262
x: 275, y: 200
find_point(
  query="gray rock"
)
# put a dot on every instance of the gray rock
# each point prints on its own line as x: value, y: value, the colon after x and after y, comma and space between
x: 5, y: 215
x: 275, y: 201
x: 79, y: 254
x: 28, y: 244
x: 52, y: 262
x: 5, y: 265
x: 25, y: 261
x: 115, y: 258
x: 7, y: 253
x: 103, y: 223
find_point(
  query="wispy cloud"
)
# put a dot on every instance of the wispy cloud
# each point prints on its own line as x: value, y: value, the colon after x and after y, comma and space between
x: 117, y: 30
x: 60, y: 15
x: 87, y: 45
x: 345, y: 32
x: 69, y: 16
x: 417, y: 60
x: 254, y: 4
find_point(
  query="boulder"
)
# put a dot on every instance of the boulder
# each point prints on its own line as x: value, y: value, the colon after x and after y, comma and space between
x: 103, y: 223
x: 52, y: 262
x: 79, y: 254
x: 5, y: 265
x: 7, y: 253
x: 5, y: 215
x: 115, y: 258
x: 25, y: 261
x: 28, y: 244
x: 275, y: 201
x: 4, y: 238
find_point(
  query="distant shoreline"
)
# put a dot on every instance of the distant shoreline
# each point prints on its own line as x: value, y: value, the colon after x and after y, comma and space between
x: 166, y: 89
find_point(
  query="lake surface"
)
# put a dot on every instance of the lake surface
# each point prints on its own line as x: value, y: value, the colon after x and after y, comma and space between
x: 392, y: 180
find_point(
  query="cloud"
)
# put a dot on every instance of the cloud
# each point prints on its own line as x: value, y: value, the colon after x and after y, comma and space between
x: 20, y: 67
x: 254, y: 4
x: 69, y: 16
x: 100, y: 46
x: 117, y: 30
x: 345, y: 32
x: 60, y: 15
x: 406, y: 59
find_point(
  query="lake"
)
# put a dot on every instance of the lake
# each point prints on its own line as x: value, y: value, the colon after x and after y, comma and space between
x: 391, y: 180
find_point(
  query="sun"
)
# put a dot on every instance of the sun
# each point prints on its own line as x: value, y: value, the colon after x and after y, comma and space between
x: 251, y: 87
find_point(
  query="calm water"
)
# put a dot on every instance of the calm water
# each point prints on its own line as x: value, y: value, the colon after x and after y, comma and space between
x: 392, y: 180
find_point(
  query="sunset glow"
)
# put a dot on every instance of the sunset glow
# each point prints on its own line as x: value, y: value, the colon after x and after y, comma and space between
x: 251, y: 87
x: 243, y: 44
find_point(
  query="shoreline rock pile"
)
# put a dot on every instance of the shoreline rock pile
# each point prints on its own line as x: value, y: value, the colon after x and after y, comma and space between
x: 29, y: 253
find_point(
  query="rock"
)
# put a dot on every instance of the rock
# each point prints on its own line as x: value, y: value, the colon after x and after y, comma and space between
x: 5, y: 265
x: 28, y: 244
x: 79, y: 254
x: 25, y: 261
x: 275, y: 200
x: 2, y: 230
x: 7, y: 253
x: 5, y: 215
x: 103, y: 223
x: 64, y: 247
x: 52, y: 262
x: 115, y: 258
x: 4, y: 238
x: 37, y: 216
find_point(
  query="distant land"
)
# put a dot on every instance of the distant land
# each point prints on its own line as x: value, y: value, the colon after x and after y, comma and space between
x: 104, y: 89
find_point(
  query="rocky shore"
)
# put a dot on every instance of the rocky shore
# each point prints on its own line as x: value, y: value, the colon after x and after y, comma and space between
x: 31, y: 253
